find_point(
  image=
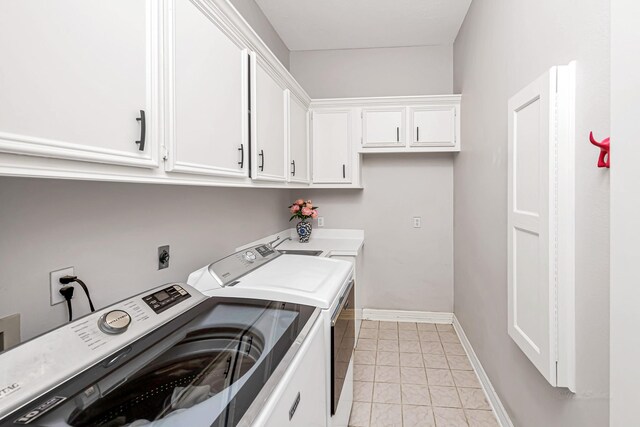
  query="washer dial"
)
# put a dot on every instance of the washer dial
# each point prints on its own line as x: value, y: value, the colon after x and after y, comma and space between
x: 114, y: 322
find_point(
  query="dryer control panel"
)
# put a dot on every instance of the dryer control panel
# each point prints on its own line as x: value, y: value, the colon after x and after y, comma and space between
x: 231, y: 268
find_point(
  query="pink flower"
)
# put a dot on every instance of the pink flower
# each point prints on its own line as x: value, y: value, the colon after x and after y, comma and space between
x: 306, y: 211
x: 294, y: 208
x: 309, y: 203
x: 314, y: 214
x: 299, y: 202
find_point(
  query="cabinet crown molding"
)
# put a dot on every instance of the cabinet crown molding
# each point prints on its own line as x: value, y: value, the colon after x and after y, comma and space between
x: 386, y: 101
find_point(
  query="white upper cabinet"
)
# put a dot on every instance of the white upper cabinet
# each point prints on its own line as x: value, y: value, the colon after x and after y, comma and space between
x: 332, y: 143
x: 433, y: 126
x: 298, y: 140
x: 383, y: 127
x: 269, y: 124
x: 402, y: 124
x: 207, y: 75
x: 78, y: 80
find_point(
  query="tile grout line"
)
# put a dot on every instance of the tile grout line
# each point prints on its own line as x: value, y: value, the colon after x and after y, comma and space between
x: 429, y: 402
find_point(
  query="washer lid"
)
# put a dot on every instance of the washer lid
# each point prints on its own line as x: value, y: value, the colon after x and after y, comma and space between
x: 294, y: 278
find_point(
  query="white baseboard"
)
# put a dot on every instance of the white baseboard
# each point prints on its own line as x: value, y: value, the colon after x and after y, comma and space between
x: 492, y: 396
x: 407, y: 316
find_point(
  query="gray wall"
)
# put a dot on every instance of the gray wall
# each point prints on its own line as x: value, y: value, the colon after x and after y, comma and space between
x: 423, y: 70
x: 502, y: 46
x: 405, y: 268
x: 252, y: 13
x: 110, y: 233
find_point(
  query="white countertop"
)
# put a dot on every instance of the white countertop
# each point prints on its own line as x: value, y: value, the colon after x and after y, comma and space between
x: 332, y: 242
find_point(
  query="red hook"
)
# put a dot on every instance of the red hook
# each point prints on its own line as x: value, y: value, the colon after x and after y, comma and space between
x: 604, y: 151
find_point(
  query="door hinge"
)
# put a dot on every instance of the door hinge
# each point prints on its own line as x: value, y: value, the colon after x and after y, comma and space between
x: 361, y: 114
x: 165, y: 153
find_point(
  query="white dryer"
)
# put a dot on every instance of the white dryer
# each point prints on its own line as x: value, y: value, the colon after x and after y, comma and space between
x: 262, y: 272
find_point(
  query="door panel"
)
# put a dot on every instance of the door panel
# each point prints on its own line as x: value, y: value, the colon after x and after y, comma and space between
x: 531, y: 275
x: 332, y: 146
x: 209, y: 108
x: 298, y: 141
x: 71, y: 86
x: 383, y: 127
x: 270, y: 127
x: 433, y: 126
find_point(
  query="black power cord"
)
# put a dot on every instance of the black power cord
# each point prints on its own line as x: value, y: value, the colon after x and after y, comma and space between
x: 67, y: 293
x: 65, y: 280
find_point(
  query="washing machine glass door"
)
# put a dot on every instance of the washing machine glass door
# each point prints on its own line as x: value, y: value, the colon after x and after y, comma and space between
x: 205, y: 373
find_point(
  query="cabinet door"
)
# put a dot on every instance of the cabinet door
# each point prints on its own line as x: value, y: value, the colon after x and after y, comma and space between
x: 208, y: 106
x: 298, y: 141
x: 434, y: 126
x: 383, y: 127
x: 269, y: 124
x: 531, y: 258
x: 303, y: 400
x: 332, y: 146
x: 74, y: 78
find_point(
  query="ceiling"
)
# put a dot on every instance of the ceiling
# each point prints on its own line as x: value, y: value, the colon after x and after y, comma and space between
x: 352, y: 24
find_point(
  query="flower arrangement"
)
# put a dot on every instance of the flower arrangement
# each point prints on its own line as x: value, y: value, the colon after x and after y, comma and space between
x: 303, y: 210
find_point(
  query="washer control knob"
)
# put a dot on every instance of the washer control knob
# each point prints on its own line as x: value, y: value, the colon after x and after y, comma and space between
x: 114, y: 322
x: 249, y: 256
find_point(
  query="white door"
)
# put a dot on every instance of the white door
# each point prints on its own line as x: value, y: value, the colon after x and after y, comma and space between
x: 331, y: 139
x: 625, y: 205
x: 383, y: 127
x: 298, y: 141
x: 208, y: 107
x: 269, y: 124
x: 531, y: 280
x: 78, y: 80
x: 433, y: 126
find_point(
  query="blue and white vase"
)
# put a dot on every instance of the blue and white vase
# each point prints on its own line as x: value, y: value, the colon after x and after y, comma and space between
x: 304, y: 231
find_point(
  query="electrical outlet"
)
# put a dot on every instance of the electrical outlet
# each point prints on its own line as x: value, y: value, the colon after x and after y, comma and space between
x: 163, y: 257
x: 417, y: 222
x: 320, y: 221
x: 55, y: 285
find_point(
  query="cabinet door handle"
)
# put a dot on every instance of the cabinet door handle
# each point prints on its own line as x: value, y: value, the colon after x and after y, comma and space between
x: 417, y: 133
x: 293, y: 171
x: 241, y: 150
x: 262, y: 162
x: 143, y: 130
x: 397, y: 134
x: 344, y: 171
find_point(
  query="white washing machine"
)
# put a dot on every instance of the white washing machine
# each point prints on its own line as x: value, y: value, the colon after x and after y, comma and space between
x: 169, y: 357
x: 263, y: 272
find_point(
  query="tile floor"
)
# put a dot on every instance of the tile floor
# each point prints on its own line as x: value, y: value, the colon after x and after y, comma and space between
x: 409, y: 374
